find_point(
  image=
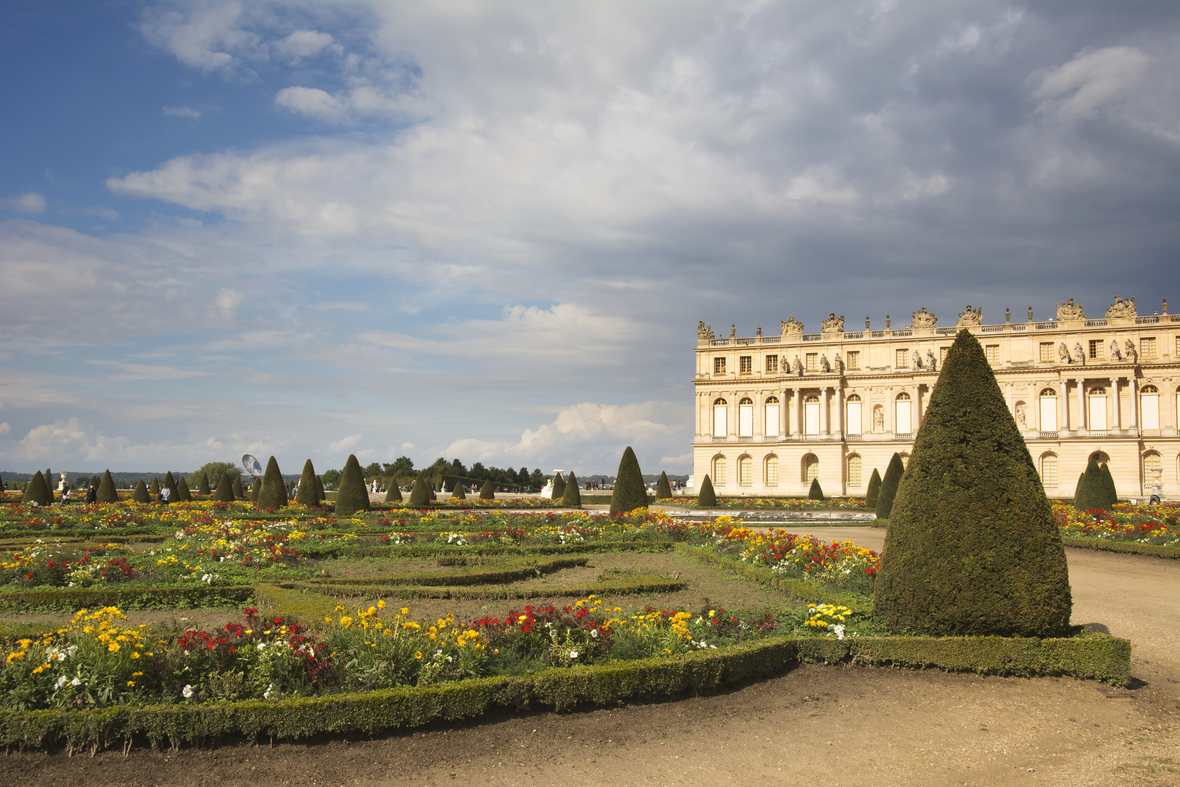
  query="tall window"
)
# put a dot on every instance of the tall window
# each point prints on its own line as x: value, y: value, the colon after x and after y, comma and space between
x: 854, y: 470
x: 1048, y: 407
x: 901, y: 359
x: 1096, y: 346
x: 719, y: 471
x: 1147, y: 347
x: 812, y: 362
x: 992, y: 352
x: 772, y: 470
x: 852, y: 422
x: 720, y: 418
x: 854, y: 359
x: 746, y: 417
x: 770, y: 424
x: 902, y: 422
x: 811, y: 414
x: 1047, y: 354
x: 942, y: 351
x: 810, y: 468
x: 1153, y: 468
x: 745, y: 471
x: 718, y: 366
x: 1149, y: 406
x: 1049, y: 470
x: 1097, y: 405
x: 772, y: 363
x: 746, y: 364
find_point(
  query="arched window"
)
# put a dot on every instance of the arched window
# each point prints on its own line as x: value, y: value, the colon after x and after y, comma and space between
x: 745, y: 471
x: 1153, y: 468
x: 810, y: 468
x: 719, y: 471
x: 1100, y: 457
x: 771, y: 473
x: 905, y: 460
x: 902, y: 423
x: 1149, y: 407
x: 720, y: 418
x: 852, y: 422
x: 811, y: 414
x: 770, y: 424
x: 746, y: 417
x: 1096, y: 404
x: 854, y: 470
x: 1047, y: 402
x: 1049, y: 470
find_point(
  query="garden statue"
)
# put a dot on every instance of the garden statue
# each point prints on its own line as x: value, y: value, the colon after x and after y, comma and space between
x: 1115, y: 353
x: 1063, y: 354
x: 1132, y: 356
x: 1079, y: 355
x: 930, y: 361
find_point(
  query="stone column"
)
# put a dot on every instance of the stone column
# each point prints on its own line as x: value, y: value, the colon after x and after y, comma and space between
x: 917, y: 416
x: 731, y: 415
x: 1133, y: 392
x: 783, y: 414
x: 841, y: 429
x: 797, y: 410
x: 1083, y: 414
x: 824, y: 421
x: 1063, y: 406
x: 1117, y: 405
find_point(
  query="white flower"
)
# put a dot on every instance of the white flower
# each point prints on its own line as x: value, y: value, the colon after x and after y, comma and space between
x: 63, y: 680
x: 839, y: 631
x: 266, y: 694
x: 594, y: 633
x: 573, y: 654
x: 262, y: 646
x: 187, y: 691
x: 76, y: 682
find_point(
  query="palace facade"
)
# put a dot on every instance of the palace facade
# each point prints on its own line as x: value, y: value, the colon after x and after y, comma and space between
x: 774, y: 412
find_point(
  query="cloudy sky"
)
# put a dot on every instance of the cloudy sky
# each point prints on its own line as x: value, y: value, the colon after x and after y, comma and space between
x: 488, y: 230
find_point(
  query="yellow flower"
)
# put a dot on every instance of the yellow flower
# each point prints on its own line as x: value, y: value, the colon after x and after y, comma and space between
x: 134, y: 655
x: 405, y: 610
x: 381, y: 604
x: 130, y: 683
x: 418, y: 654
x: 113, y: 647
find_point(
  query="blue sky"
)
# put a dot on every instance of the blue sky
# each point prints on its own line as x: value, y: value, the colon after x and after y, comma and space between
x: 488, y: 230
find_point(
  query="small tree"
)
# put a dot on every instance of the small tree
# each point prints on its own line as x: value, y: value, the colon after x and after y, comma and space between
x: 203, y: 482
x: 225, y: 489
x: 394, y: 493
x: 629, y: 492
x: 874, y: 490
x: 141, y: 495
x: 352, y: 496
x: 37, y: 492
x: 106, y: 489
x: 420, y: 494
x: 1091, y: 489
x: 888, y: 492
x: 663, y: 488
x: 816, y: 492
x: 558, y: 486
x: 308, y: 494
x: 274, y: 488
x: 571, y: 498
x: 183, y: 494
x: 972, y: 547
x: 707, y: 498
x: 487, y: 491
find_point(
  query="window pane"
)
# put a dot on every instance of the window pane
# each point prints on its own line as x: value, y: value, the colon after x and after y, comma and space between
x: 772, y: 471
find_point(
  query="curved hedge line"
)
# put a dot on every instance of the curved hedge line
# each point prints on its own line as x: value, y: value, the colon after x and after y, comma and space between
x: 500, y: 576
x: 1126, y: 547
x: 628, y: 587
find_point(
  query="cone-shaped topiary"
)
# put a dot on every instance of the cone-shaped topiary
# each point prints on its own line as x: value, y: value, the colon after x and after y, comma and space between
x: 571, y: 497
x: 274, y: 488
x: 319, y: 488
x: 203, y: 483
x: 874, y: 490
x: 394, y: 493
x: 663, y: 488
x: 141, y: 495
x: 816, y: 492
x: 972, y: 547
x: 558, y: 487
x: 893, y: 474
x: 352, y: 496
x: 1091, y: 489
x: 170, y: 485
x: 255, y: 489
x: 182, y: 493
x: 236, y: 486
x: 308, y: 494
x: 1112, y: 494
x: 37, y: 492
x: 94, y: 482
x: 458, y: 493
x: 433, y: 494
x: 420, y: 494
x: 707, y: 498
x: 154, y: 488
x: 629, y: 493
x: 106, y: 489
x: 487, y: 491
x: 225, y: 489
x: 1077, y: 490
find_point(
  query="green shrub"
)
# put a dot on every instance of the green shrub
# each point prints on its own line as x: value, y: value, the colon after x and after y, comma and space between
x: 571, y: 498
x: 663, y: 488
x: 972, y: 547
x: 558, y: 487
x: 816, y: 492
x: 225, y: 489
x: 154, y: 488
x: 182, y: 493
x: 203, y: 484
x: 874, y: 491
x: 487, y: 491
x: 255, y: 489
x: 239, y: 493
x: 274, y: 489
x: 140, y: 495
x: 106, y: 489
x: 170, y: 485
x: 352, y: 495
x: 308, y: 493
x: 1112, y: 495
x: 420, y: 494
x: 394, y: 493
x: 893, y: 474
x: 36, y: 491
x: 1092, y: 492
x: 707, y: 498
x: 629, y: 492
x: 457, y: 493
x: 319, y: 487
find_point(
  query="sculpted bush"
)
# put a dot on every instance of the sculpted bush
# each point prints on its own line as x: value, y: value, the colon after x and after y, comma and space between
x: 629, y: 492
x: 352, y: 495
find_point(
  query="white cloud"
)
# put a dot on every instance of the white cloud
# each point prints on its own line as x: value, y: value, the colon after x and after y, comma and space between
x: 184, y: 112
x: 30, y: 203
x: 228, y: 302
x: 1091, y: 81
x: 209, y: 37
x: 304, y: 43
x: 345, y: 444
x: 126, y: 372
x: 312, y: 102
x: 5, y: 429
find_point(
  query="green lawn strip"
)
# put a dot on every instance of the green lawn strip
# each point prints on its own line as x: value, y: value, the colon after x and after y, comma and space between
x: 152, y: 596
x: 514, y: 573
x: 628, y: 587
x: 440, y: 550
x: 1126, y: 547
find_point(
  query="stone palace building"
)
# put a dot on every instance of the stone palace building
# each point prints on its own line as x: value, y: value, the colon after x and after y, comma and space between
x: 774, y: 412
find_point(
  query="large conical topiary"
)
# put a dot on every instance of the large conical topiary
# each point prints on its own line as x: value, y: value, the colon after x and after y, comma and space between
x: 571, y: 497
x: 972, y: 547
x: 487, y: 491
x: 458, y: 493
x: 203, y: 484
x: 394, y: 493
x: 308, y: 494
x: 236, y: 488
x: 816, y: 492
x: 893, y: 474
x: 170, y: 485
x: 420, y: 494
x: 873, y: 491
x: 141, y: 495
x: 663, y: 488
x: 94, y: 482
x: 37, y: 492
x: 1112, y: 494
x: 225, y: 489
x: 1091, y: 492
x: 352, y: 496
x: 558, y: 486
x: 707, y: 498
x: 182, y: 492
x: 274, y: 488
x: 319, y: 488
x: 154, y: 488
x: 106, y: 489
x: 629, y: 493
x: 255, y: 489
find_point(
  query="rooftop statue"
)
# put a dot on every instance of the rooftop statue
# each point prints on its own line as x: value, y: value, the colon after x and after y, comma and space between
x: 791, y: 326
x: 1121, y: 308
x: 833, y: 324
x: 704, y: 332
x: 924, y: 319
x: 971, y: 317
x: 1068, y: 311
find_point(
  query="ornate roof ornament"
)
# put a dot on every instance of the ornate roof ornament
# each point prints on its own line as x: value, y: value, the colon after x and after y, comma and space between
x: 1069, y: 311
x: 704, y: 333
x: 833, y: 324
x: 972, y: 318
x: 1121, y: 308
x: 924, y: 319
x: 791, y: 326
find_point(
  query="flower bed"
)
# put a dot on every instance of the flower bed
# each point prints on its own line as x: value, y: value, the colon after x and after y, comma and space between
x: 1140, y: 529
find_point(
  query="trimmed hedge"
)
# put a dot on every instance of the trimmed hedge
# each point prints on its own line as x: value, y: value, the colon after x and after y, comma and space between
x: 499, y: 576
x: 161, y: 595
x: 571, y: 496
x: 795, y: 588
x: 707, y: 498
x: 627, y: 587
x: 308, y: 493
x: 629, y: 492
x: 1126, y: 547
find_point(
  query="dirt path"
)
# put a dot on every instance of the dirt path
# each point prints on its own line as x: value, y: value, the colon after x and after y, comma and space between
x: 813, y: 725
